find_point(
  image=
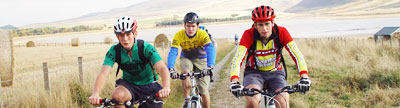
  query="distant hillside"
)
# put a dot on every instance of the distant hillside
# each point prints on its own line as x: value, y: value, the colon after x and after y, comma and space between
x: 158, y: 10
x: 307, y: 5
x: 152, y: 9
x: 9, y: 27
x: 362, y: 9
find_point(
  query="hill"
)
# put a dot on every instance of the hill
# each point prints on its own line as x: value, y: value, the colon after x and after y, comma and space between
x: 307, y: 5
x: 159, y: 9
x: 9, y: 27
x: 349, y: 9
x: 152, y: 11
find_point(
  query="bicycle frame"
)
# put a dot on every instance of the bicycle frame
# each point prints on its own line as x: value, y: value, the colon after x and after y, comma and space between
x: 194, y: 98
x: 269, y: 102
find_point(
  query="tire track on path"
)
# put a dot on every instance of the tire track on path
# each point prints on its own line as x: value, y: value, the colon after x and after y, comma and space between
x: 221, y: 97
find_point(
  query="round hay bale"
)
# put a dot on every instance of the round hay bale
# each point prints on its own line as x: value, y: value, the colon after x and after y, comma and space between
x: 161, y: 40
x: 108, y: 40
x: 75, y: 42
x: 6, y: 59
x: 30, y: 44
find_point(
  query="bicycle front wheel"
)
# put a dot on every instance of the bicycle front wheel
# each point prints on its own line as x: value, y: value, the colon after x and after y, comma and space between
x: 195, y: 105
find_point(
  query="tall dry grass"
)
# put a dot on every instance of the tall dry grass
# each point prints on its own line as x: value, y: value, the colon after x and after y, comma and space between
x: 66, y: 91
x: 28, y: 88
x: 351, y: 72
x: 345, y: 73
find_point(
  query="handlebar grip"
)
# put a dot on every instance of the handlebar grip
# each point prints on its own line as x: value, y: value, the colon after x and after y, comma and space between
x: 157, y: 95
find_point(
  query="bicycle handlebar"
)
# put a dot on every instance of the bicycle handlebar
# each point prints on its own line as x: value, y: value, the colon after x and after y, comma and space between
x: 252, y: 91
x: 112, y: 102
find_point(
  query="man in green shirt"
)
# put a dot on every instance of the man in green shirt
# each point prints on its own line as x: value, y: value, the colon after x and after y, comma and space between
x: 138, y: 79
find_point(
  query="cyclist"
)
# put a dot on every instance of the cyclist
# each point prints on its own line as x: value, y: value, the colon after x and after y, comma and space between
x: 236, y: 39
x: 263, y: 44
x: 197, y: 53
x: 138, y: 80
x: 209, y: 35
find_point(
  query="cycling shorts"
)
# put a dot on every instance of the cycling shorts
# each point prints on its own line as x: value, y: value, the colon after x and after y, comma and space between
x: 271, y: 80
x: 197, y: 65
x: 141, y: 91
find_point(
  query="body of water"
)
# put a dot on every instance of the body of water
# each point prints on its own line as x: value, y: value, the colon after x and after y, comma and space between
x: 297, y: 28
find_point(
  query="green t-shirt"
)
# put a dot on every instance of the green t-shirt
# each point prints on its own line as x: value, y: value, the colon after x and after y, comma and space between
x: 143, y: 76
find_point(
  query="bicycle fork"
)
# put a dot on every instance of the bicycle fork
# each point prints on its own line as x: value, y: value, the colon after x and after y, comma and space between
x: 269, y: 102
x: 195, y: 102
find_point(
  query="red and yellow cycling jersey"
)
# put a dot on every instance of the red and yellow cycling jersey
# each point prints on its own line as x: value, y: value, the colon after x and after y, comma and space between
x: 266, y: 56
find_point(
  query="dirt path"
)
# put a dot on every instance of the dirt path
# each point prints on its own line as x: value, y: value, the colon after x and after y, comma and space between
x: 221, y: 97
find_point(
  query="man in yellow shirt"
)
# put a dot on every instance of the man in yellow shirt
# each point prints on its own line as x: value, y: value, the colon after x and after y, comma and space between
x: 197, y: 54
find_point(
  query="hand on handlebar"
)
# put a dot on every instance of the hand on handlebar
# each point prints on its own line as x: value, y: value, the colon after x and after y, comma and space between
x: 304, y: 85
x: 163, y: 93
x: 210, y: 72
x: 174, y: 75
x: 94, y: 100
x: 236, y: 89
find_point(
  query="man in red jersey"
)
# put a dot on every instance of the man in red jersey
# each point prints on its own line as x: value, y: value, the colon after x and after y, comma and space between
x: 263, y: 44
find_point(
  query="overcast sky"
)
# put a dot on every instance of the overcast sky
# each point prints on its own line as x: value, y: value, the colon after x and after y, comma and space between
x: 23, y: 12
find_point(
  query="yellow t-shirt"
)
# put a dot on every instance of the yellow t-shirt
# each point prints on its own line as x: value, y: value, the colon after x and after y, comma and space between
x: 191, y: 46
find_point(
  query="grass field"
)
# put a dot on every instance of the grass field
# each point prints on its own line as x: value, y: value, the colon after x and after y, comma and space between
x: 66, y: 91
x: 348, y: 73
x: 344, y: 73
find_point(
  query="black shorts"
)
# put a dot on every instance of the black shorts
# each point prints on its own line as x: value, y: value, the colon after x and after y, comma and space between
x: 141, y: 91
x: 271, y: 80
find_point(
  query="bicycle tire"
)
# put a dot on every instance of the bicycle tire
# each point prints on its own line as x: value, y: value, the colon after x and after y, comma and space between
x: 195, y: 105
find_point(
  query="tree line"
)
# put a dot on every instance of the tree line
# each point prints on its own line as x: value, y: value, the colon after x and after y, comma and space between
x: 52, y: 30
x: 202, y: 20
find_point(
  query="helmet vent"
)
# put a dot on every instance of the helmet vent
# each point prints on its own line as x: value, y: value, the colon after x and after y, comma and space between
x: 127, y: 25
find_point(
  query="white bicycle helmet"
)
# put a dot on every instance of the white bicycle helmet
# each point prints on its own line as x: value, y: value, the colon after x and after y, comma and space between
x: 125, y: 24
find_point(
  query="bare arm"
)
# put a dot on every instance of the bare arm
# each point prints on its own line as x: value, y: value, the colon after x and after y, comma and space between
x: 99, y: 84
x: 162, y: 69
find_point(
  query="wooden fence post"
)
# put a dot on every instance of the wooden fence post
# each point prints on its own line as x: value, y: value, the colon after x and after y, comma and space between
x: 80, y: 69
x: 1, y: 96
x: 46, y: 78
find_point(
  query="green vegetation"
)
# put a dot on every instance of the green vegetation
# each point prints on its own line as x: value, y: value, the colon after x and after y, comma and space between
x: 52, y: 30
x: 174, y: 21
x: 78, y: 95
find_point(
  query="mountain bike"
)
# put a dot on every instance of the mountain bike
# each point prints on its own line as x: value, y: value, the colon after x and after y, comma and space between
x: 269, y: 100
x: 195, y: 98
x: 108, y: 103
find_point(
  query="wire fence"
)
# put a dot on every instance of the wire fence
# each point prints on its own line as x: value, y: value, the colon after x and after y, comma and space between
x: 45, y: 76
x: 60, y: 44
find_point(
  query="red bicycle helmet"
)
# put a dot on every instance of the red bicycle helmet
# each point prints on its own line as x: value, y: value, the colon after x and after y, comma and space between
x: 263, y: 14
